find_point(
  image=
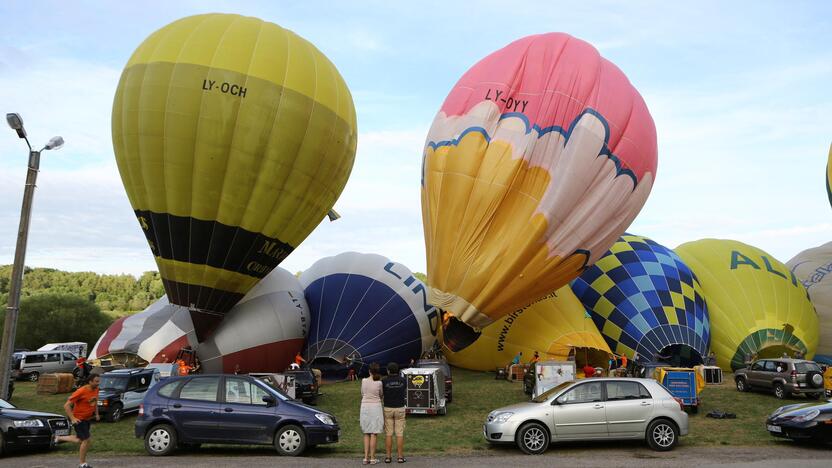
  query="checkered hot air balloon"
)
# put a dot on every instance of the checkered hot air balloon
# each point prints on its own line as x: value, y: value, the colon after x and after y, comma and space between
x: 644, y: 299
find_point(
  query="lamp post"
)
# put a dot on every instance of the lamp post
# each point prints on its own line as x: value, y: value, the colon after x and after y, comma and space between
x: 13, y: 308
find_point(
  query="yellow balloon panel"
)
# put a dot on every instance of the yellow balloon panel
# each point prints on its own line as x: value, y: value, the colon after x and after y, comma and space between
x: 813, y: 267
x: 234, y: 137
x: 756, y: 305
x: 553, y: 327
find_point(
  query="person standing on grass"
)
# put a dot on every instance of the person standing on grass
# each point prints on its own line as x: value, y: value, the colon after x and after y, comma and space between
x: 80, y: 408
x: 371, y: 416
x: 394, y: 387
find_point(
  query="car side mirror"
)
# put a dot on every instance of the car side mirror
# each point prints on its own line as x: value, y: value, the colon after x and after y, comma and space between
x: 555, y: 402
x: 270, y: 401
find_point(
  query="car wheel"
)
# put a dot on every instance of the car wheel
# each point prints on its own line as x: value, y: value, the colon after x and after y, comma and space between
x: 779, y: 391
x: 443, y: 411
x: 115, y: 413
x: 160, y: 440
x: 662, y: 435
x: 33, y: 377
x: 532, y: 438
x: 742, y: 385
x: 290, y: 440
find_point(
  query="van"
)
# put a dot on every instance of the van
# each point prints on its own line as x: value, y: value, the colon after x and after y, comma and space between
x: 31, y: 365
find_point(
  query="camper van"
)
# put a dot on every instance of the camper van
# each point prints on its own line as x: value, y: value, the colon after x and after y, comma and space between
x: 31, y: 365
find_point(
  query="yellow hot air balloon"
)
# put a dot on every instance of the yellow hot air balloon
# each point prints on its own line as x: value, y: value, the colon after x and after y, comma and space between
x: 234, y: 137
x: 540, y: 157
x: 756, y: 305
x: 555, y: 326
x: 813, y: 267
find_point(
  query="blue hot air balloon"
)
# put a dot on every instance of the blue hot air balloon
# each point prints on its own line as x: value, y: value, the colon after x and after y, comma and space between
x: 645, y: 300
x: 365, y: 308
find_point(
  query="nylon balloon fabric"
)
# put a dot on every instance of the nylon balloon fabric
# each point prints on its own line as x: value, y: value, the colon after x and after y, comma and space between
x: 555, y: 327
x: 829, y: 176
x: 263, y: 331
x: 540, y: 157
x: 234, y: 137
x: 155, y: 334
x: 756, y: 305
x: 367, y: 308
x: 644, y: 299
x: 813, y: 268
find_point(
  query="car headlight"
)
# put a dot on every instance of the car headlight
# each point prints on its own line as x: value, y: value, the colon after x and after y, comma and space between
x: 502, y: 416
x: 29, y: 423
x: 807, y: 416
x: 325, y: 418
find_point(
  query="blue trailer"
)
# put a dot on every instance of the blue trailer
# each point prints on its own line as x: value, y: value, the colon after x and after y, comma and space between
x: 684, y: 384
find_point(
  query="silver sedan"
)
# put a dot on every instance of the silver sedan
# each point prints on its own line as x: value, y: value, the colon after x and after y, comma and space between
x: 595, y: 408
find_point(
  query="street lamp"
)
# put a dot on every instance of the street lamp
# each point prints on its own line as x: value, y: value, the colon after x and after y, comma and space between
x: 13, y: 308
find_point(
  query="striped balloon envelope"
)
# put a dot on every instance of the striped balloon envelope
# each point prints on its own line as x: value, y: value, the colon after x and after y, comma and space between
x: 155, y: 334
x: 367, y: 308
x: 757, y: 306
x: 263, y: 332
x: 234, y: 137
x: 645, y: 300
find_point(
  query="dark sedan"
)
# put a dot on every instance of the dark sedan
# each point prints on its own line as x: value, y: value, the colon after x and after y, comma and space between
x: 23, y: 429
x: 806, y: 421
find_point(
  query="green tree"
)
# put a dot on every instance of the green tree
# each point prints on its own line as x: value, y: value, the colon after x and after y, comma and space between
x: 52, y: 318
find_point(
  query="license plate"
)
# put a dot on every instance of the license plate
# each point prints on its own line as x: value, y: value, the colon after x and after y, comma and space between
x: 803, y: 385
x: 418, y: 411
x: 774, y: 428
x: 62, y: 432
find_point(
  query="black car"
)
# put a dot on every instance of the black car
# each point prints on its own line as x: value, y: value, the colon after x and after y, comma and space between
x: 121, y: 391
x: 446, y: 370
x: 22, y: 429
x: 306, y: 385
x: 806, y: 421
x: 229, y: 409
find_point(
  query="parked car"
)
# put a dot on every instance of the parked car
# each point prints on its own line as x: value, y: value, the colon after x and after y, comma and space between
x: 122, y: 391
x: 446, y: 371
x: 783, y: 376
x: 77, y: 348
x: 597, y: 408
x: 229, y: 409
x: 31, y: 364
x: 805, y: 421
x: 306, y: 385
x: 28, y: 429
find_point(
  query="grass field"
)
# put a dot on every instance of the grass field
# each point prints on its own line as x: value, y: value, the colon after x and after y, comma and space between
x: 460, y: 431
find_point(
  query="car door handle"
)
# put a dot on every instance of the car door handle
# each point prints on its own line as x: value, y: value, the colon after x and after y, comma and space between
x: 646, y: 403
x: 598, y: 406
x: 177, y: 405
x: 228, y: 410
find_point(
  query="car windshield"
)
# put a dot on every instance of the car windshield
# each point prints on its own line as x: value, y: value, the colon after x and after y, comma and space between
x: 302, y: 377
x: 6, y: 405
x: 548, y: 393
x: 111, y: 382
x: 804, y: 367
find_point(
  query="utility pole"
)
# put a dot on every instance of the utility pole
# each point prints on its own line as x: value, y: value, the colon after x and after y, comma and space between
x: 13, y: 308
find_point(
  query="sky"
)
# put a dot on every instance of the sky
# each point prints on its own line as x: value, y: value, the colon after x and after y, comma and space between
x: 740, y: 93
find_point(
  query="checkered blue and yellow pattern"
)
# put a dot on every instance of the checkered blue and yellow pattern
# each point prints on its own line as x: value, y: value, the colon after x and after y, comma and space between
x: 643, y: 299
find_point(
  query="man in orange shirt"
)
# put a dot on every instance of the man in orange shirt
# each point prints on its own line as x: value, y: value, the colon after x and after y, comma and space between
x: 623, y: 361
x: 80, y: 408
x: 299, y: 359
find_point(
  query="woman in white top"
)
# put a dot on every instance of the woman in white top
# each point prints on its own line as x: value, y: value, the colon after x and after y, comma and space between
x: 372, y: 416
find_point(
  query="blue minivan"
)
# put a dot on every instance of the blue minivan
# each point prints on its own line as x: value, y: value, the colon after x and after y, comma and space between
x: 229, y: 409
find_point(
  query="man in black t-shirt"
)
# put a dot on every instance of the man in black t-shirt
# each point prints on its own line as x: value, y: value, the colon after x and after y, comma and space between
x: 394, y: 386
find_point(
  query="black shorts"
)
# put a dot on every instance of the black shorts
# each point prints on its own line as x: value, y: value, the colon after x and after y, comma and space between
x: 82, y: 430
